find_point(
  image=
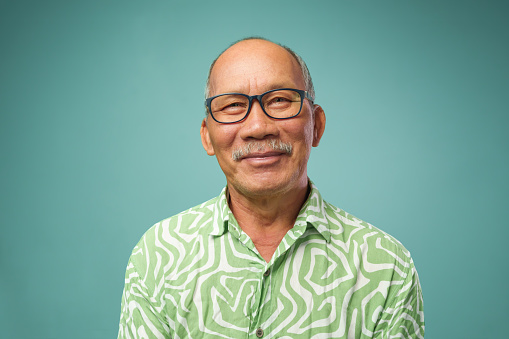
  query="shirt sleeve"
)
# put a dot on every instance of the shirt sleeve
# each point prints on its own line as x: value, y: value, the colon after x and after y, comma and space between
x: 403, y: 315
x: 142, y: 313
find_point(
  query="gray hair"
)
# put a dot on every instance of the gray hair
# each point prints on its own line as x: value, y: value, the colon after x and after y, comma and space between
x: 304, y: 69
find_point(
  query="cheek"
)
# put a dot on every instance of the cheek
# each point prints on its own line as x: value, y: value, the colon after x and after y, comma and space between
x: 302, y: 134
x: 223, y: 138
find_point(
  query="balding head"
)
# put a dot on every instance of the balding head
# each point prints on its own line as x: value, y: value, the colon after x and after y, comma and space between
x: 254, y: 43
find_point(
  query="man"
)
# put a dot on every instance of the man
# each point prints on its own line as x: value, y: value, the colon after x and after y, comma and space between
x: 267, y: 258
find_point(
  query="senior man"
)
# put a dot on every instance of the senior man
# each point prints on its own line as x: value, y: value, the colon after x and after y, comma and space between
x: 268, y: 257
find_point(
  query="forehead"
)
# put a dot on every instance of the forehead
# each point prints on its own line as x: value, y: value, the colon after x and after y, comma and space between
x: 254, y: 66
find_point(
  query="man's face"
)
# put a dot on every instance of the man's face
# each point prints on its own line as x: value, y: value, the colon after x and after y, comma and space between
x: 254, y: 67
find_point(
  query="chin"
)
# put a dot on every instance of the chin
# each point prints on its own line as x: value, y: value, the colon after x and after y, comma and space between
x: 267, y: 185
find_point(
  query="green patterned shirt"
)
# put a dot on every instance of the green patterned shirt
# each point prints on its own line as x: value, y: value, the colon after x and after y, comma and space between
x: 198, y: 275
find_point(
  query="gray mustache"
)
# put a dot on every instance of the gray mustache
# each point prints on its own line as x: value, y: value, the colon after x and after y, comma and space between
x: 259, y: 146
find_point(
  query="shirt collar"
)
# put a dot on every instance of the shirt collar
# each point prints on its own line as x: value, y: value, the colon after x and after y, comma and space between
x: 312, y: 213
x: 221, y: 214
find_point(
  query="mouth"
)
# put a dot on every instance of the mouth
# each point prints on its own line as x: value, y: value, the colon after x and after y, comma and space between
x: 262, y: 155
x: 263, y: 160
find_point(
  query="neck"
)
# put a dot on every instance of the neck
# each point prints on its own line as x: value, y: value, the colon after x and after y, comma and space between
x: 266, y: 219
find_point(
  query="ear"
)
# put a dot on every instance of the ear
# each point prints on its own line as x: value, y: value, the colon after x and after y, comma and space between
x: 319, y: 116
x: 205, y: 138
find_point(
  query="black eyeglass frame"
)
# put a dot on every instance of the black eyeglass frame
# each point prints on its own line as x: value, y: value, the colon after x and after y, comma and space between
x: 303, y: 95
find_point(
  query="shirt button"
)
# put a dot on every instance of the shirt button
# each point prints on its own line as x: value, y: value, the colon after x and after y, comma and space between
x: 267, y: 273
x: 259, y: 333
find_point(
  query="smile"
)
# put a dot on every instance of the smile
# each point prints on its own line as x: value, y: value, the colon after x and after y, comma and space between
x: 262, y: 159
x: 261, y: 155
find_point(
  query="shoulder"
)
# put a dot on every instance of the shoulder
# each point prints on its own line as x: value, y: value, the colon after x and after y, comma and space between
x: 185, y: 222
x: 174, y: 236
x: 380, y: 261
x: 372, y: 245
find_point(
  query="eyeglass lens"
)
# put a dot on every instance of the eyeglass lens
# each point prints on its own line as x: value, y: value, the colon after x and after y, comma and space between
x: 279, y: 104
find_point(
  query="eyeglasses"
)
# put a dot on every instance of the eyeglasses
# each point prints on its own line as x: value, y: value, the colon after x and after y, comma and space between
x: 282, y: 103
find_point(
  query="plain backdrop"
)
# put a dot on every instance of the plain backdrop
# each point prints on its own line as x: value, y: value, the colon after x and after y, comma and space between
x: 101, y: 104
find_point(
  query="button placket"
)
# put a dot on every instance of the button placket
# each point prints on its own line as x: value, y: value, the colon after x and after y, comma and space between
x: 265, y: 281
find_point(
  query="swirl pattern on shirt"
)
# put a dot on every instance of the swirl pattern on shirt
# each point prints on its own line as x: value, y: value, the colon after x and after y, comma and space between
x: 198, y: 275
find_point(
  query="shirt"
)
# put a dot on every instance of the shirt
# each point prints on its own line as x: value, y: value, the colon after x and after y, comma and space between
x: 198, y: 275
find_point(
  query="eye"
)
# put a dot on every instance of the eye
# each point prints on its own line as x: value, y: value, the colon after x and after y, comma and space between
x: 229, y: 104
x: 278, y: 102
x: 281, y: 99
x: 234, y: 108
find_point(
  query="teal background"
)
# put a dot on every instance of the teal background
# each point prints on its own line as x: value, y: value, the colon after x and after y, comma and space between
x: 101, y: 104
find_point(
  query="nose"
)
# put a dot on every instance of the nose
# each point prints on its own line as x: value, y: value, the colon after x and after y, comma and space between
x: 257, y: 124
